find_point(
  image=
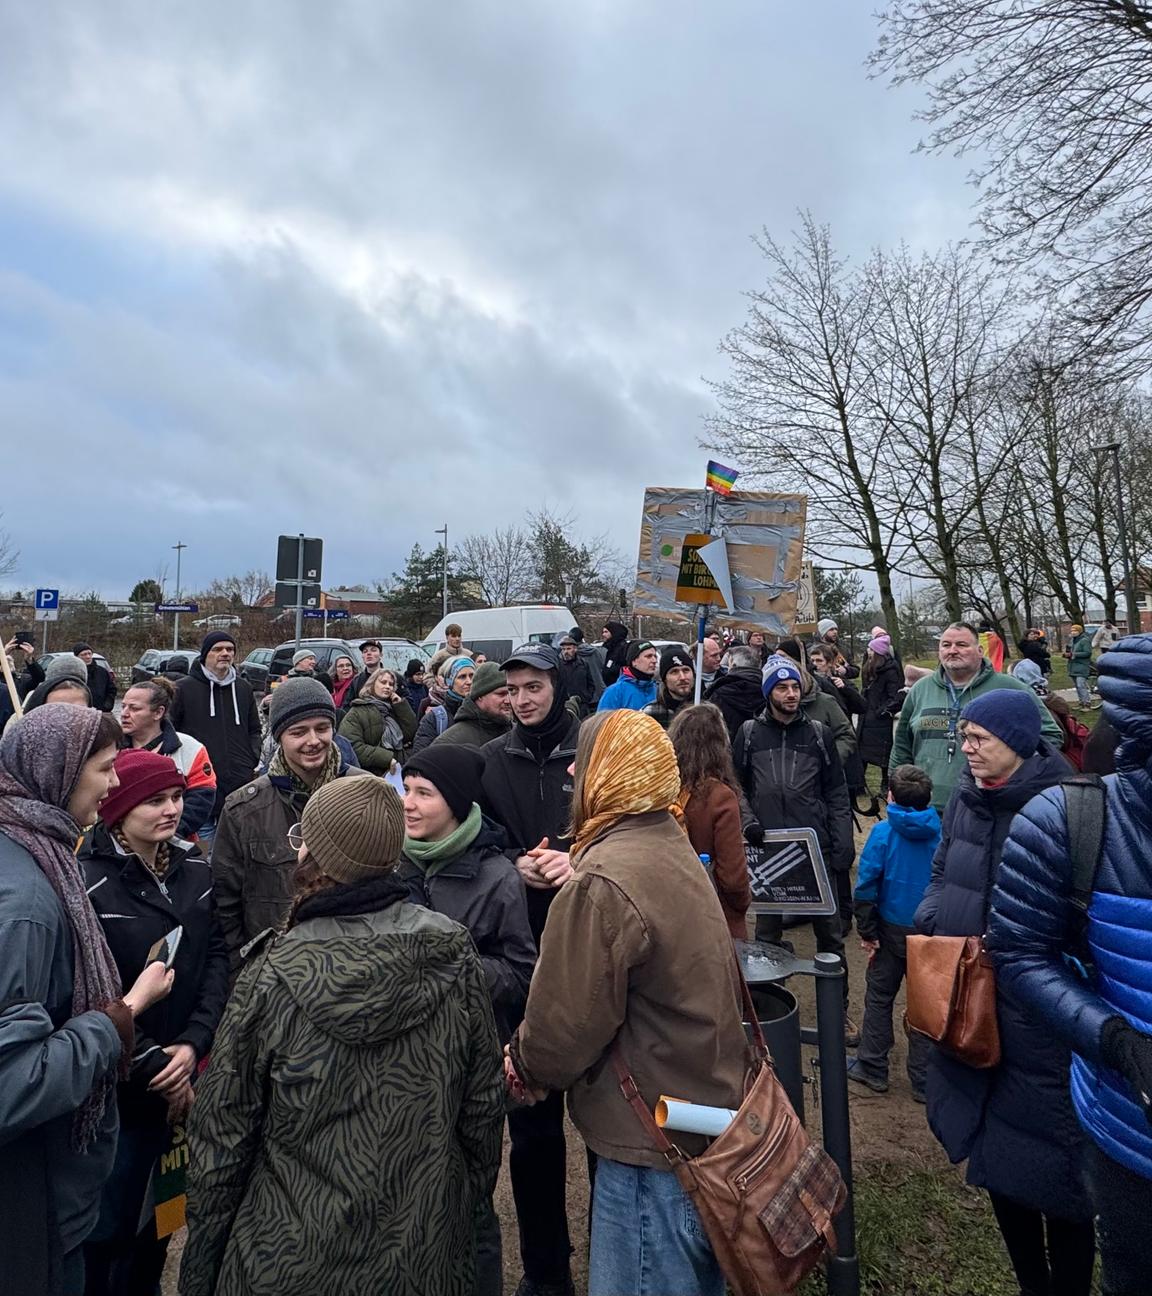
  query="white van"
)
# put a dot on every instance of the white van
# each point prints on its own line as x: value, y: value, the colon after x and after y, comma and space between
x: 497, y: 631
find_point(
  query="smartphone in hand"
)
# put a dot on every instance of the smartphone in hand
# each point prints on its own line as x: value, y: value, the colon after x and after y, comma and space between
x: 164, y: 951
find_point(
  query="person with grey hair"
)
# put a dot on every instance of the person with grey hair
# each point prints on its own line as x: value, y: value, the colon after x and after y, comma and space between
x: 928, y: 730
x: 65, y: 671
x: 738, y: 694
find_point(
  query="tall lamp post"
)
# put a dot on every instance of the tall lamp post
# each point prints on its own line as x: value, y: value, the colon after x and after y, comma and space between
x: 444, y: 588
x: 179, y: 546
x: 1113, y: 448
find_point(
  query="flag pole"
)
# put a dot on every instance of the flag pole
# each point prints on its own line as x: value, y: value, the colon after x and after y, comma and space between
x: 702, y: 608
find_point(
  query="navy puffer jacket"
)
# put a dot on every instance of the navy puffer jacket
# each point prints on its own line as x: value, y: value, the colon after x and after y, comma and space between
x: 1031, y: 913
x: 1014, y: 1123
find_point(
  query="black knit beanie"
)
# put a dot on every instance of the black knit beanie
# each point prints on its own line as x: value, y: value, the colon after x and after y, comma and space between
x: 454, y: 770
x: 211, y: 639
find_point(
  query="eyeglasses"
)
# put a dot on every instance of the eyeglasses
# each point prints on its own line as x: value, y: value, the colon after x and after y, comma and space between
x: 974, y: 740
x: 296, y: 836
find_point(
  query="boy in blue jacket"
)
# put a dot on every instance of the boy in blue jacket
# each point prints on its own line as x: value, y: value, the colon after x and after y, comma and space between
x: 895, y: 869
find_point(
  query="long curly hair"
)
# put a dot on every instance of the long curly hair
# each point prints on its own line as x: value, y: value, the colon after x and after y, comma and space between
x: 700, y: 739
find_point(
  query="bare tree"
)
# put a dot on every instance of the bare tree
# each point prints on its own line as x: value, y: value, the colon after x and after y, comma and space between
x: 796, y: 410
x: 937, y: 332
x: 242, y: 591
x: 1055, y: 99
x: 9, y: 553
x: 498, y: 565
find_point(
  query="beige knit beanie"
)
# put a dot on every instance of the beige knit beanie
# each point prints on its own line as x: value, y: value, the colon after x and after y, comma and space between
x: 354, y: 828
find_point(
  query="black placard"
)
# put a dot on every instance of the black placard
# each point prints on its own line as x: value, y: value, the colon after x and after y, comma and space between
x: 288, y: 558
x: 286, y: 595
x: 787, y: 874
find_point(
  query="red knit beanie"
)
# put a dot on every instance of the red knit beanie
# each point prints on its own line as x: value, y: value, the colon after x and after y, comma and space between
x: 142, y: 774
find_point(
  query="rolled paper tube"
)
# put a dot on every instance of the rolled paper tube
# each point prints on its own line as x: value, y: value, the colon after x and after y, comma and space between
x: 691, y: 1118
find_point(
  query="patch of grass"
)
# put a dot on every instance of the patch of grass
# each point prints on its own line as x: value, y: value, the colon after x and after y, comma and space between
x: 924, y: 1232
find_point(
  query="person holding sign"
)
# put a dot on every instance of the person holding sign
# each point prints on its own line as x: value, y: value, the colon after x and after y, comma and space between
x: 793, y: 778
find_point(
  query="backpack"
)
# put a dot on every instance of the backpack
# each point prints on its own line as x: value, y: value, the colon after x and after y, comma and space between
x: 747, y: 729
x: 1085, y: 812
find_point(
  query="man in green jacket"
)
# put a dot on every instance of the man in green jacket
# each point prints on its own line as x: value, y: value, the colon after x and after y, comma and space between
x: 927, y: 736
x: 1080, y: 664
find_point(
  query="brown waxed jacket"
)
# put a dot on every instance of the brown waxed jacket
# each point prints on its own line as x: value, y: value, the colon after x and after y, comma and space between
x: 636, y: 947
x: 712, y: 817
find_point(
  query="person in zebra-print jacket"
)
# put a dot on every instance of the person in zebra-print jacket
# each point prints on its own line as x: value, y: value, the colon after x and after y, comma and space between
x: 349, y: 1123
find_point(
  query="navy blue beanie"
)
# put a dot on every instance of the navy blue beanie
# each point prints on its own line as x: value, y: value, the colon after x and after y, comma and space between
x: 1011, y: 715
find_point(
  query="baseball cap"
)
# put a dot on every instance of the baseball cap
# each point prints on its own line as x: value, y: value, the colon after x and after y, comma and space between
x: 534, y: 655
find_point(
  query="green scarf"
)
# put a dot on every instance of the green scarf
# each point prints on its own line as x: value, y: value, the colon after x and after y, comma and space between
x: 431, y: 856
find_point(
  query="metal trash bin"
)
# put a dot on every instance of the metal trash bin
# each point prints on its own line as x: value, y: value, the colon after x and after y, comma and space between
x: 780, y: 1021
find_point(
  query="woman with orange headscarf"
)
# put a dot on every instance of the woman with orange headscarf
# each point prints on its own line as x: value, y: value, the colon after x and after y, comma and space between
x: 636, y: 953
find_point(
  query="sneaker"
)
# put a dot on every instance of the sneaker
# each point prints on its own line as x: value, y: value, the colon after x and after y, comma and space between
x: 851, y: 1032
x: 529, y: 1288
x: 856, y: 1072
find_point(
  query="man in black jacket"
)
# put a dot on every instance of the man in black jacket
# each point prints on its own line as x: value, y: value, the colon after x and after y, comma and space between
x: 101, y: 681
x: 677, y: 686
x: 371, y: 651
x: 581, y: 675
x: 792, y: 777
x: 528, y: 790
x: 738, y: 694
x: 214, y: 705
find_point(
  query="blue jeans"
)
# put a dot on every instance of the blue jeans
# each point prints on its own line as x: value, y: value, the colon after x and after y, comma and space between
x: 647, y: 1239
x: 1083, y: 691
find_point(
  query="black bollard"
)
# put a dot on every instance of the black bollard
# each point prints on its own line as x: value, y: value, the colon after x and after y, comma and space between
x: 844, y: 1267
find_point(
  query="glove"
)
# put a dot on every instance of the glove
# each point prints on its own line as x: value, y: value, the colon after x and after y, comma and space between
x: 1129, y: 1051
x: 754, y: 833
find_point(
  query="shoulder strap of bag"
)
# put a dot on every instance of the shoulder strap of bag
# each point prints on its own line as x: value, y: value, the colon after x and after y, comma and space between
x: 1085, y: 811
x: 441, y: 713
x: 628, y: 1087
x: 747, y: 729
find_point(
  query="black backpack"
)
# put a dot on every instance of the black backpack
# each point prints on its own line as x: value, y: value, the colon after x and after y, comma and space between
x: 1085, y: 810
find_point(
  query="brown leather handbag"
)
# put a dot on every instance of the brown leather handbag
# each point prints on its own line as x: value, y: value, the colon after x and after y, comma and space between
x: 952, y: 997
x: 765, y: 1193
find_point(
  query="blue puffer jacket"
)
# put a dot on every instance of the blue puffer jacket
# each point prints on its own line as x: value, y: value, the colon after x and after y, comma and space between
x: 1031, y: 913
x: 1013, y: 1122
x: 628, y: 694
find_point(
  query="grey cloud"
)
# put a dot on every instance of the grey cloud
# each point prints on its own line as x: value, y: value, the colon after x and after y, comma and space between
x: 407, y: 262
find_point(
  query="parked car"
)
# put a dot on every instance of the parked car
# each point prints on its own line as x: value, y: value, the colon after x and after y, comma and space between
x: 221, y: 621
x: 254, y: 668
x: 45, y: 658
x: 395, y: 655
x: 152, y: 661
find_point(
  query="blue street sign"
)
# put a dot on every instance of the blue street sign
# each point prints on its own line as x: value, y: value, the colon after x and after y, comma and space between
x: 177, y: 607
x: 333, y: 614
x: 47, y: 600
x: 340, y: 614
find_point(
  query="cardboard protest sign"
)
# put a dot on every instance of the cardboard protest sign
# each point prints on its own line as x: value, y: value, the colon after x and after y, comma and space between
x: 763, y: 535
x: 171, y: 1184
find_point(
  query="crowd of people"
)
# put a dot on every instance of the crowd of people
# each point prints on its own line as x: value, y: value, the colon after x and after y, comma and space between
x: 348, y: 933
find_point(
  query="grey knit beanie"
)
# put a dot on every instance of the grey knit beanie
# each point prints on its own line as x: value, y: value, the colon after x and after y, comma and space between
x: 354, y: 828
x: 301, y: 654
x: 66, y: 667
x: 299, y: 699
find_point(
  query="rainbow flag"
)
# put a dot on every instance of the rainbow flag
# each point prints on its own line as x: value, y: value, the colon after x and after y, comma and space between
x: 719, y: 478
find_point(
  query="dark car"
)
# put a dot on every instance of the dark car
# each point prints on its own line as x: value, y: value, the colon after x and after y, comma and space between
x: 152, y: 661
x: 395, y: 655
x: 99, y: 658
x: 254, y: 668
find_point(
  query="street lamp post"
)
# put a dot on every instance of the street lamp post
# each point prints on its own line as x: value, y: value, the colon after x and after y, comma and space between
x: 1133, y: 612
x: 179, y: 546
x: 444, y: 589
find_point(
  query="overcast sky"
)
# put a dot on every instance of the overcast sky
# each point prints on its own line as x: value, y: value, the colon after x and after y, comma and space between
x: 363, y: 267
